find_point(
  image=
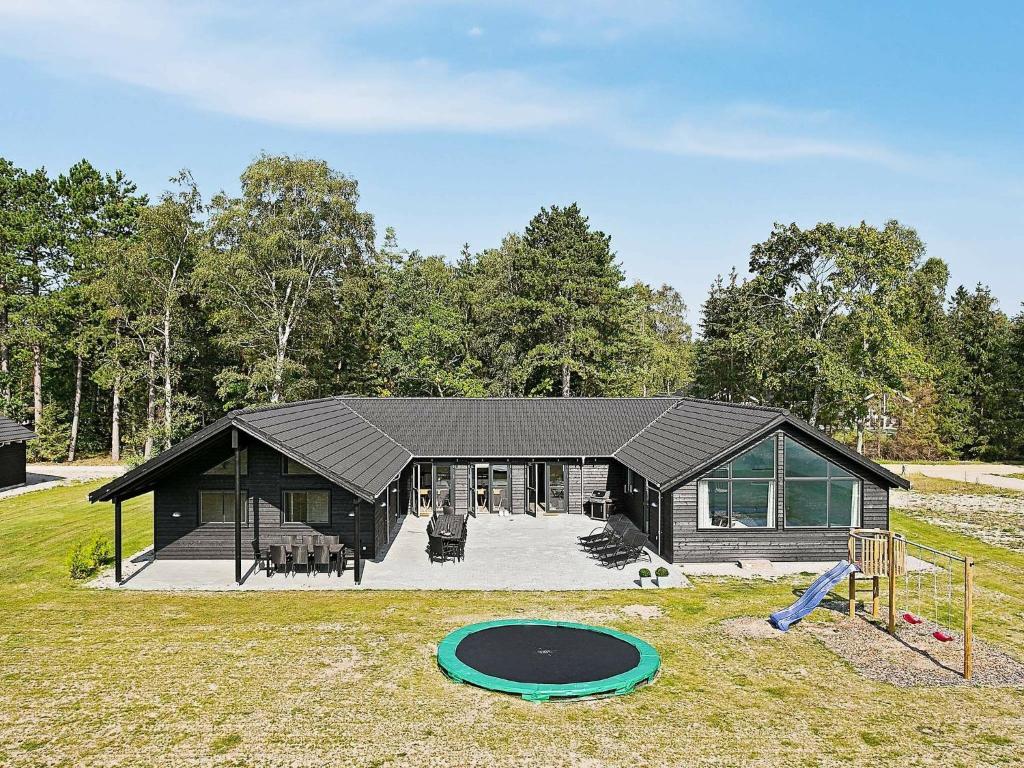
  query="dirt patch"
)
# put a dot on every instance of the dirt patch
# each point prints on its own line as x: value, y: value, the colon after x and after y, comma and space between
x: 913, y: 657
x: 645, y: 612
x: 750, y: 628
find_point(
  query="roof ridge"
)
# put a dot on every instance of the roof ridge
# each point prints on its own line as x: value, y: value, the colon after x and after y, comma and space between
x: 651, y: 424
x: 270, y: 406
x: 527, y: 398
x: 379, y: 429
x: 730, y: 403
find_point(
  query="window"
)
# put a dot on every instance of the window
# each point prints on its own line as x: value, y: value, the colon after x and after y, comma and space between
x: 219, y: 507
x: 227, y: 467
x: 292, y: 467
x: 499, y: 488
x: 819, y: 494
x: 740, y: 494
x: 307, y: 506
x: 442, y: 486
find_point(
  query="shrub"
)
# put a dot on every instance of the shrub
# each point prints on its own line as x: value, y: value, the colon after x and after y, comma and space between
x: 80, y: 562
x: 645, y: 573
x: 101, y: 551
x: 85, y: 559
x: 662, y: 572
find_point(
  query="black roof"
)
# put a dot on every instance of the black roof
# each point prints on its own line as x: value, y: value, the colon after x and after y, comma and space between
x: 483, y: 427
x: 363, y: 443
x: 13, y: 432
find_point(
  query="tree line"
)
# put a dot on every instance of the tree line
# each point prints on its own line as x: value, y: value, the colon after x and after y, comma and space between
x: 126, y: 323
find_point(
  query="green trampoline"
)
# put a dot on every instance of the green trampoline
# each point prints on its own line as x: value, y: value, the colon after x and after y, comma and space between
x: 544, y: 660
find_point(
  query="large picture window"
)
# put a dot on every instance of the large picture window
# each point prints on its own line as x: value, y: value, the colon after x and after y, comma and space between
x: 219, y: 506
x: 819, y: 494
x: 227, y: 467
x: 307, y: 506
x: 740, y: 494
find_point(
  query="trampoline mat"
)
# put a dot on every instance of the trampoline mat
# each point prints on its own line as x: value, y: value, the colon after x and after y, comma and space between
x: 553, y: 655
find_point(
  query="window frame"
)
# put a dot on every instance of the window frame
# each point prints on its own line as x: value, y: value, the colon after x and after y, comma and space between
x: 284, y: 507
x: 284, y: 468
x: 858, y: 484
x: 230, y: 470
x: 246, y: 498
x: 772, y: 481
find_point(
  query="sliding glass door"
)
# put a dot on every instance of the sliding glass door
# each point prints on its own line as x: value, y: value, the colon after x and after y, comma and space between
x: 557, y: 488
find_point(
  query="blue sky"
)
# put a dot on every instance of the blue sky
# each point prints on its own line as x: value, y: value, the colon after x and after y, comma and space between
x: 684, y: 130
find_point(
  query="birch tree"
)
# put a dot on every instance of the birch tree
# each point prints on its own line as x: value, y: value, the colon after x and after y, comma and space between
x: 279, y: 253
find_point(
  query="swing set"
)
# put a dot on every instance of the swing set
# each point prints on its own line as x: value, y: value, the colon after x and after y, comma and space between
x: 949, y: 577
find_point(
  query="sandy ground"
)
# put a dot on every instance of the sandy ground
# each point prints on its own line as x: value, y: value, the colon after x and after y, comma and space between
x: 989, y: 474
x: 42, y: 476
x: 993, y: 519
x: 910, y: 658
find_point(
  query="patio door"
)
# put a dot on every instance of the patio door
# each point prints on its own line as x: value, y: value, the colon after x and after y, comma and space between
x: 652, y: 513
x: 557, y: 488
x: 534, y: 481
x: 480, y: 492
x: 500, y: 492
x: 442, y: 482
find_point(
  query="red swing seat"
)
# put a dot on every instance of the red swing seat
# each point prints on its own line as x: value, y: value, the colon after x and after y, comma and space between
x: 912, y: 619
x: 941, y: 636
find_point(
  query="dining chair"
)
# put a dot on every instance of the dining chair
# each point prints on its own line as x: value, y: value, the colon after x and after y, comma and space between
x: 300, y: 556
x: 278, y: 558
x: 321, y: 556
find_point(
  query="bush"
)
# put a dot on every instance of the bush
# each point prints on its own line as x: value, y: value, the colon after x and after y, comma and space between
x: 662, y: 572
x: 80, y: 562
x: 85, y: 559
x: 645, y: 573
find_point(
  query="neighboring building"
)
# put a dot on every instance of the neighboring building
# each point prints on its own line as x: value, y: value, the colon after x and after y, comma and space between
x: 707, y: 481
x: 13, y: 437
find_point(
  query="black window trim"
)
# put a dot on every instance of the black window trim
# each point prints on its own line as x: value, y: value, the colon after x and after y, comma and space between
x: 284, y: 507
x: 773, y: 481
x: 857, y: 479
x: 245, y: 470
x: 284, y: 468
x: 246, y: 499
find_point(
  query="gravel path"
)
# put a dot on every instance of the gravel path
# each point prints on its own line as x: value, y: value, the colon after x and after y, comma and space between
x: 989, y: 474
x: 39, y: 477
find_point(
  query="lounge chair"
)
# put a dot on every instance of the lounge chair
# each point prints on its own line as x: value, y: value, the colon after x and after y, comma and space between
x: 631, y: 549
x: 610, y: 531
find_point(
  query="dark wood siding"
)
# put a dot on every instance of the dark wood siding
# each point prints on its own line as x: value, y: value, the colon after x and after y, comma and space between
x: 264, y: 485
x: 12, y: 464
x: 779, y: 543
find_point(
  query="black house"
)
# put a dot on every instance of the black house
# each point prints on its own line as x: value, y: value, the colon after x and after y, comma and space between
x: 705, y: 480
x: 13, y: 437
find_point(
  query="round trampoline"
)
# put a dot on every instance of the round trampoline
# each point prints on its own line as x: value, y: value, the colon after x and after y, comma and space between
x: 544, y: 660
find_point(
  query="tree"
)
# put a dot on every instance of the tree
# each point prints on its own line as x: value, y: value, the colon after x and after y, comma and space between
x: 662, y: 341
x: 279, y: 254
x: 577, y: 302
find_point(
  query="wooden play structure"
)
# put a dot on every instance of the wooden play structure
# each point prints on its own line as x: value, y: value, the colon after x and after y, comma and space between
x: 880, y: 554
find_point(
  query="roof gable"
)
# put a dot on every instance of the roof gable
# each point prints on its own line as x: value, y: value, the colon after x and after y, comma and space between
x: 13, y: 432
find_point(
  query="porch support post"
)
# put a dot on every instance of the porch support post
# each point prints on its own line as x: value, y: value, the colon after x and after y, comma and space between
x: 117, y: 540
x: 238, y: 505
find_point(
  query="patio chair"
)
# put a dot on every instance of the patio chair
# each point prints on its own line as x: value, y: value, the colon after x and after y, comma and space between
x: 300, y: 556
x: 278, y: 558
x: 632, y: 548
x: 614, y: 541
x: 460, y: 545
x: 438, y: 549
x: 321, y: 556
x: 602, y: 531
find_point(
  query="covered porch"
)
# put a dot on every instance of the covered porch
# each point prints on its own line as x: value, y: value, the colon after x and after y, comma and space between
x: 510, y: 552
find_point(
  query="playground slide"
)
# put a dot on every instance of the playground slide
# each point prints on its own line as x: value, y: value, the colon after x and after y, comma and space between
x: 815, y: 594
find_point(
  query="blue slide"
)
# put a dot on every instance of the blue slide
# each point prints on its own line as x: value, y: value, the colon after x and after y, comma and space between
x: 815, y: 594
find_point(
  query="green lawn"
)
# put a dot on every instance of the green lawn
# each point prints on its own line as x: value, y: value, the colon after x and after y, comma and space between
x: 118, y: 678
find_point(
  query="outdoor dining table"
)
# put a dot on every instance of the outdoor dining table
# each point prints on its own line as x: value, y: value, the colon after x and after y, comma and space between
x: 449, y: 526
x: 340, y: 550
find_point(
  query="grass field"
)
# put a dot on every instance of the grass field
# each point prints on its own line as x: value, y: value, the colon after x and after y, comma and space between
x: 117, y: 678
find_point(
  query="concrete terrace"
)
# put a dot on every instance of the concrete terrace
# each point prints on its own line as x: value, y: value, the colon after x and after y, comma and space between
x: 513, y: 552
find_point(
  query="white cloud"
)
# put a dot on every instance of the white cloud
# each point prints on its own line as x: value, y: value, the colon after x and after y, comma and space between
x: 474, y: 31
x: 762, y: 133
x: 252, y: 64
x: 179, y: 50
